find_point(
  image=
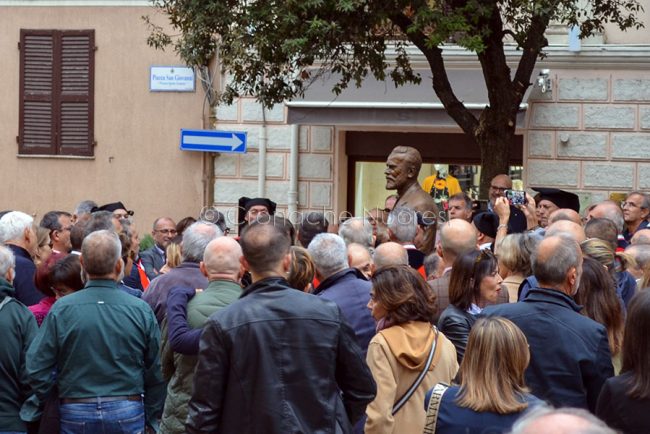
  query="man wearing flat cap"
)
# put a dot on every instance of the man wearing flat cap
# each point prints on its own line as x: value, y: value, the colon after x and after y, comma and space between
x: 251, y: 208
x: 552, y: 199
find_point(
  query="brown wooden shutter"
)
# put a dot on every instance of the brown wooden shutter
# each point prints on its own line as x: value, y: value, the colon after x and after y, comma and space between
x: 37, y: 121
x: 76, y: 92
x: 57, y: 92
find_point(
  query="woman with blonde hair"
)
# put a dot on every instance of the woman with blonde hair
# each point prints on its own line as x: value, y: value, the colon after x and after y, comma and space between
x: 408, y: 355
x: 514, y: 261
x: 492, y: 393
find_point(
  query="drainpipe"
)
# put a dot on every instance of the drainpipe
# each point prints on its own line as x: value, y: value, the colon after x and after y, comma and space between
x: 293, y: 174
x: 261, y: 173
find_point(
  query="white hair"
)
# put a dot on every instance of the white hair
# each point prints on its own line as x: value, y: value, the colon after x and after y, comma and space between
x: 13, y: 225
x: 196, y: 238
x: 329, y: 253
x: 356, y: 230
x: 7, y: 260
x: 403, y: 223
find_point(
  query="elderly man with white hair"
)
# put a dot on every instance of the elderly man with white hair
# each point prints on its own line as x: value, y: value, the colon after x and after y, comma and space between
x: 343, y: 285
x: 18, y: 329
x: 18, y: 234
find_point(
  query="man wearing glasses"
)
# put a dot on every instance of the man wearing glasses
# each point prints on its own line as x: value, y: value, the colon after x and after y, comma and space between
x: 498, y: 187
x: 59, y: 224
x: 636, y: 208
x: 153, y: 259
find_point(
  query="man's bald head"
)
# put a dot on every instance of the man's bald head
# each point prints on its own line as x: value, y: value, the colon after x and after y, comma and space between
x: 456, y: 237
x: 221, y: 258
x: 546, y: 420
x: 641, y: 237
x: 565, y: 214
x: 498, y: 186
x: 360, y: 258
x: 390, y: 254
x: 569, y: 228
x: 609, y: 210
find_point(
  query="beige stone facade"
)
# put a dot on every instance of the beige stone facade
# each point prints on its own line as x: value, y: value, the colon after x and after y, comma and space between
x: 137, y: 158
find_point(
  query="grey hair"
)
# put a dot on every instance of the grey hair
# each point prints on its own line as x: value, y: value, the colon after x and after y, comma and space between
x: 13, y: 225
x: 356, y: 230
x: 612, y: 211
x: 85, y: 207
x: 100, y: 251
x: 640, y: 253
x: 403, y: 223
x: 431, y: 263
x: 646, y: 199
x: 329, y: 253
x: 554, y: 268
x: 196, y: 238
x: 596, y: 426
x: 7, y: 260
x: 515, y: 250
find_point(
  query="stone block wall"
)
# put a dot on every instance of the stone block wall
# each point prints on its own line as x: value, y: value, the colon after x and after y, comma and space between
x: 236, y: 175
x: 590, y: 134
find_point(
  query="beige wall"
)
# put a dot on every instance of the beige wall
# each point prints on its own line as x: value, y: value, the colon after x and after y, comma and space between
x: 137, y: 159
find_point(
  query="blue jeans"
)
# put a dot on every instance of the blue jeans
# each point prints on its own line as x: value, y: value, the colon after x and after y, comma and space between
x: 113, y: 417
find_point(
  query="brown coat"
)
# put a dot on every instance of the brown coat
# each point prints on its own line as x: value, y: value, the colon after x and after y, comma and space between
x: 396, y: 356
x: 440, y: 288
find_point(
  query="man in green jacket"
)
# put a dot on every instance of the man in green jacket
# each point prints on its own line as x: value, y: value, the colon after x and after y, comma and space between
x: 18, y: 330
x: 221, y: 265
x: 103, y: 345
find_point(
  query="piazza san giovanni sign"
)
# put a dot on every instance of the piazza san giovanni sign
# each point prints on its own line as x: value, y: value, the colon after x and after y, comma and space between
x: 171, y: 79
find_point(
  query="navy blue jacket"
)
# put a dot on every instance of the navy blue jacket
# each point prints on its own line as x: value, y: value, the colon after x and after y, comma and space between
x: 26, y: 291
x: 454, y: 419
x: 569, y: 353
x: 352, y: 294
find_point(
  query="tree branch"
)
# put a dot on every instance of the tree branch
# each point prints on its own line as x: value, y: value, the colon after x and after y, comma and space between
x: 441, y: 86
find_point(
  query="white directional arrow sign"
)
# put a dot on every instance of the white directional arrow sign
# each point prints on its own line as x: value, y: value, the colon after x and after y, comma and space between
x: 213, y: 141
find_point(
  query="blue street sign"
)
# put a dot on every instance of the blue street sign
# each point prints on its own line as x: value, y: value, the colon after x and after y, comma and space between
x: 213, y: 141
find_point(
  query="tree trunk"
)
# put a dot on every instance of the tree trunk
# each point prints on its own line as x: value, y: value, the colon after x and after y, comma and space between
x: 493, y: 136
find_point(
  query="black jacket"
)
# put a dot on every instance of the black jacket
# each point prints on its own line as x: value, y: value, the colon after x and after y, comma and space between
x: 629, y: 415
x: 26, y: 291
x: 456, y: 325
x: 274, y: 362
x: 569, y: 353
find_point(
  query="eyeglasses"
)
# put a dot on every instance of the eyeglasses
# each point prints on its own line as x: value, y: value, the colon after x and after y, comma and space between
x: 497, y: 188
x: 485, y: 254
x: 167, y: 231
x: 625, y: 204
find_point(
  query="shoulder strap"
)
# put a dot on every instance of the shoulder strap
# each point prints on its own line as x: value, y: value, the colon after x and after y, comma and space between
x: 434, y: 406
x: 400, y: 402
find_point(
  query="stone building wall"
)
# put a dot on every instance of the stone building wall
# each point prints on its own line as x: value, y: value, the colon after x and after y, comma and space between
x: 591, y: 135
x: 236, y: 175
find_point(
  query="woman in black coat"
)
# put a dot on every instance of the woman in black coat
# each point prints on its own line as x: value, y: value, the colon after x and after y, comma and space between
x: 624, y: 401
x: 474, y: 283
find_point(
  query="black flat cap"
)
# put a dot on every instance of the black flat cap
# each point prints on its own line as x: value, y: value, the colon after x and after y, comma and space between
x: 487, y: 223
x: 561, y: 198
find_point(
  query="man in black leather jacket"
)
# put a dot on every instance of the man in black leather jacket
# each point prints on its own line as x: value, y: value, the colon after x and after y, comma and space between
x: 277, y: 360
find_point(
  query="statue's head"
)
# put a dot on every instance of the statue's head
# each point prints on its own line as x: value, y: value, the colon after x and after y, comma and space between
x: 402, y: 167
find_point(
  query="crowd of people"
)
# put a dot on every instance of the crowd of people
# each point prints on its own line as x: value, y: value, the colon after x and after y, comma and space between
x: 419, y: 317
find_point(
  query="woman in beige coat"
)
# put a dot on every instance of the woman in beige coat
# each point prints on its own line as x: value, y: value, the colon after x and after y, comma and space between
x: 403, y: 306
